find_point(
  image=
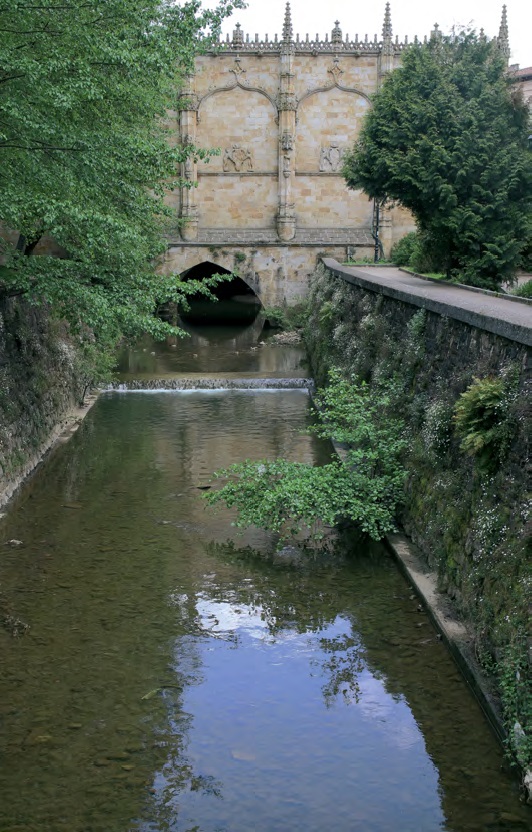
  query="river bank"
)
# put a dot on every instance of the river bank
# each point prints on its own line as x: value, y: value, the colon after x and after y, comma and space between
x: 270, y: 365
x: 184, y: 675
x: 471, y: 524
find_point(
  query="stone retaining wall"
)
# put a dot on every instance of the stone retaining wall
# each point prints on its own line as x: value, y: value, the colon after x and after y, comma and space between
x: 38, y: 388
x: 473, y: 526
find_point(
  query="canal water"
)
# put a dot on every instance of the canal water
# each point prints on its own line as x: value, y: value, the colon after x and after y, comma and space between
x: 160, y: 671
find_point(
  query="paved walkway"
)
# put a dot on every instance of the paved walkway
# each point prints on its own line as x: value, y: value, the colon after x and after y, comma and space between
x: 510, y: 318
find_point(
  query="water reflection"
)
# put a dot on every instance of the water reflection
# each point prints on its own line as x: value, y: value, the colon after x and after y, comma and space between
x: 243, y: 351
x: 295, y: 684
x: 171, y: 679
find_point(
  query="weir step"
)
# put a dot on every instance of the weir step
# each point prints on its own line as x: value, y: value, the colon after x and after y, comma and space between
x: 210, y: 383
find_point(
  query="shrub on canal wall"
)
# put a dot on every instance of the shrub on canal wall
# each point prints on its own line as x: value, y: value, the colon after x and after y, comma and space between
x: 461, y: 392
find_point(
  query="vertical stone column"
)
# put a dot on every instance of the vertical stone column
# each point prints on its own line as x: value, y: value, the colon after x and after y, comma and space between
x: 287, y: 104
x: 386, y: 57
x: 386, y: 230
x: 386, y: 65
x: 188, y: 107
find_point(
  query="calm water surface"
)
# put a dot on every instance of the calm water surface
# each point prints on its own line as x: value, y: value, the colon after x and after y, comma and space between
x: 233, y: 351
x: 178, y: 676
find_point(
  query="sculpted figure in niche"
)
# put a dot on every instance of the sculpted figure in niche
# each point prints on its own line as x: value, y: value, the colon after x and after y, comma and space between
x: 237, y: 158
x: 331, y: 158
x: 189, y: 161
x: 287, y: 140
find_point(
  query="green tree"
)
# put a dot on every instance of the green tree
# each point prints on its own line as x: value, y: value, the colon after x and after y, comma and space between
x: 447, y: 139
x: 365, y: 487
x: 85, y: 88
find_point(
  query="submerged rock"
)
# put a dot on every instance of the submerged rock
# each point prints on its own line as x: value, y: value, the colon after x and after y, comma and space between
x: 287, y: 338
x: 15, y: 626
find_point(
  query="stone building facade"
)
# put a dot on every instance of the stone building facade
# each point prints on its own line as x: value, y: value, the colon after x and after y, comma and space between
x: 523, y: 79
x: 282, y: 111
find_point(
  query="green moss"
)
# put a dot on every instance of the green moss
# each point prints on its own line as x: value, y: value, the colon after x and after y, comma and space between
x: 469, y: 519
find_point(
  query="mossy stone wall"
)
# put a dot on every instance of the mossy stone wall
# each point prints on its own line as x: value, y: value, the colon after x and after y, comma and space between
x: 472, y: 524
x: 38, y: 384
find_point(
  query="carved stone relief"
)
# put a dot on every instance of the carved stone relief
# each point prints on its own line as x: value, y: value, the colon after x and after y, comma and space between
x: 335, y: 70
x: 287, y: 140
x: 287, y: 145
x: 189, y: 161
x: 237, y: 68
x: 331, y: 158
x: 237, y: 158
x: 286, y: 101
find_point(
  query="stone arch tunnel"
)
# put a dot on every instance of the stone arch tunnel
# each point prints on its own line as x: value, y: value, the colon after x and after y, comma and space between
x: 237, y: 302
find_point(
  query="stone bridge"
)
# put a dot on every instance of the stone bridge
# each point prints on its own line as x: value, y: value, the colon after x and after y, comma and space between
x: 282, y: 112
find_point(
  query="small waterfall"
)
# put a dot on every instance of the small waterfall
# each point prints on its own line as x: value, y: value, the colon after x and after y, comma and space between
x: 210, y: 383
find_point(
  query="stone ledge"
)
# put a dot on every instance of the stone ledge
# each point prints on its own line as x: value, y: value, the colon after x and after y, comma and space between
x: 268, y: 236
x: 67, y: 426
x: 490, y: 321
x: 457, y: 636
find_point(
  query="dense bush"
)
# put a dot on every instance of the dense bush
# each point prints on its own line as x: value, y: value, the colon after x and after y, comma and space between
x: 414, y: 252
x: 481, y: 420
x: 524, y: 291
x: 403, y: 249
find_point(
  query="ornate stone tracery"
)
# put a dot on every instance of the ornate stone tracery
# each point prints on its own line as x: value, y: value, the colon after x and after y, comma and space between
x: 237, y: 68
x: 317, y: 90
x: 286, y: 101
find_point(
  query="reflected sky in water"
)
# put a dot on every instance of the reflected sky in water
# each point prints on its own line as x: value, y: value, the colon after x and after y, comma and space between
x: 179, y: 676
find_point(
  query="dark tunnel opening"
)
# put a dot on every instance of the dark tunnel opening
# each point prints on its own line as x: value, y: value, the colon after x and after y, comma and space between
x: 236, y: 302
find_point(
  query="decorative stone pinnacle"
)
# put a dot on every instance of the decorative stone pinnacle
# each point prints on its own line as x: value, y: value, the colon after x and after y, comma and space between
x: 288, y: 31
x: 503, y: 41
x: 387, y: 26
x: 238, y: 34
x: 336, y: 34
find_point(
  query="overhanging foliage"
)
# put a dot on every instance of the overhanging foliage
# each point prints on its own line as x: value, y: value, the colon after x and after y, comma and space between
x: 290, y: 497
x: 85, y: 88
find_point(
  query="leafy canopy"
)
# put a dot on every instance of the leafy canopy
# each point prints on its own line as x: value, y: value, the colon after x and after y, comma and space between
x: 365, y: 487
x: 447, y: 139
x: 85, y: 88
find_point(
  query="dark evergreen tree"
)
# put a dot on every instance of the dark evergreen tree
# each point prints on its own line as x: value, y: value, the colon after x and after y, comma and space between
x: 447, y: 139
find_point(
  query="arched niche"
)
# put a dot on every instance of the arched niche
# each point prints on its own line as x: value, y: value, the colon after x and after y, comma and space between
x: 325, y: 118
x: 238, y: 188
x: 239, y: 116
